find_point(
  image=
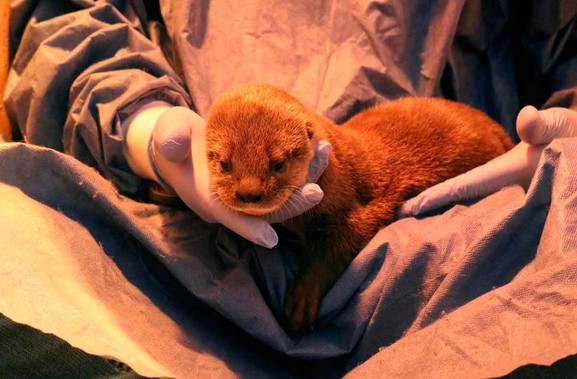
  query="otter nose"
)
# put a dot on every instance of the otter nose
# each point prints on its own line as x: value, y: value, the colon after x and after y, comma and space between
x: 250, y: 191
x: 249, y: 197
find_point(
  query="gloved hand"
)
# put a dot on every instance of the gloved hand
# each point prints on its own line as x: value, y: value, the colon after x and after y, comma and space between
x: 167, y: 144
x: 517, y: 166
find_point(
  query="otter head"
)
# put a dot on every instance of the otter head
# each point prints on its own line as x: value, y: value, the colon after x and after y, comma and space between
x: 259, y: 146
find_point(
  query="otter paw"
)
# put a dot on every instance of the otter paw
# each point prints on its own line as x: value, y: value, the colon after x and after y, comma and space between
x: 302, y: 305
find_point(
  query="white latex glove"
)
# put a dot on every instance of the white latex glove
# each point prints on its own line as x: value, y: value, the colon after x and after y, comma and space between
x: 167, y: 144
x: 517, y: 166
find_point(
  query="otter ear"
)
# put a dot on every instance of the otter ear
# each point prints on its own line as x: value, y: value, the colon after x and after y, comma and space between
x: 211, y: 155
x: 214, y: 151
x: 310, y: 129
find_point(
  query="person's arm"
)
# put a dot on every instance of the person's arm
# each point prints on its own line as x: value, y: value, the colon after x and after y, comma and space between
x: 517, y: 166
x: 78, y: 73
x: 80, y: 76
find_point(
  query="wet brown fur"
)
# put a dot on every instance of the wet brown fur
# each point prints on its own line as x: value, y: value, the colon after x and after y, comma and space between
x: 379, y: 158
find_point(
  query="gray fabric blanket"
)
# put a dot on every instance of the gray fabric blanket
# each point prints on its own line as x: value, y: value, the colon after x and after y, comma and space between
x: 479, y: 289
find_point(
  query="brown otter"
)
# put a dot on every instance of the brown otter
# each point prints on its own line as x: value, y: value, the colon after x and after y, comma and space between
x: 260, y: 140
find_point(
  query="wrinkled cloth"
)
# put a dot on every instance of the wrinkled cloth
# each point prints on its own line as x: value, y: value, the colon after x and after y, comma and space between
x: 482, y: 288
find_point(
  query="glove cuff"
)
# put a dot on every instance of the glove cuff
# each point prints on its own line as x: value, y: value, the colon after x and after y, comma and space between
x: 152, y: 161
x: 139, y: 150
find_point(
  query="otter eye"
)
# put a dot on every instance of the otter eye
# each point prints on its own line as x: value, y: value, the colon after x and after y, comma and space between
x: 278, y: 166
x: 225, y: 166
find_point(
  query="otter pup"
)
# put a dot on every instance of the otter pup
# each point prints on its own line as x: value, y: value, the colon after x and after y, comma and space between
x: 260, y: 140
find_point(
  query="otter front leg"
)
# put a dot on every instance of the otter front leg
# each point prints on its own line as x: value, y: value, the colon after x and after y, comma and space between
x: 325, y: 257
x: 306, y: 291
x: 329, y: 249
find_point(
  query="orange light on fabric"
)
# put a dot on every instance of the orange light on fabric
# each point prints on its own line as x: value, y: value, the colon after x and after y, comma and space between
x: 4, y: 59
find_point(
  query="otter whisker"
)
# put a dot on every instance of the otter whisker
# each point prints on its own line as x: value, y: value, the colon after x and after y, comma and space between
x: 295, y: 202
x: 215, y: 199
